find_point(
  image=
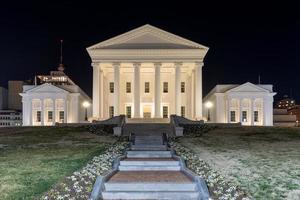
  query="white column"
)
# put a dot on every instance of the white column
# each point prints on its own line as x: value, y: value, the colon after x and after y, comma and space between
x: 54, y: 112
x: 96, y: 90
x: 30, y: 112
x: 193, y: 97
x: 157, y: 100
x: 241, y: 110
x: 101, y: 91
x: 252, y: 111
x: 65, y: 110
x: 116, y: 88
x: 177, y: 88
x: 198, y: 89
x: 42, y: 112
x: 136, y: 99
x: 228, y: 109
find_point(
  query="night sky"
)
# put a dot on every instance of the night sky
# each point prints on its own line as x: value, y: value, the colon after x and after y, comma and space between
x: 245, y: 40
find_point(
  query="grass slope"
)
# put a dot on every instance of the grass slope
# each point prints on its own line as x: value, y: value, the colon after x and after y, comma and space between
x: 33, y: 159
x: 264, y: 161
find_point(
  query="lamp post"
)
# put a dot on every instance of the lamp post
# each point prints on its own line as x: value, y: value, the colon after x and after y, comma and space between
x: 86, y: 104
x: 208, y: 105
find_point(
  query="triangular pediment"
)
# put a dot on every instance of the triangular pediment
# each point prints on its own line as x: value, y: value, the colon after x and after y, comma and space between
x: 147, y: 37
x: 248, y: 87
x: 46, y: 88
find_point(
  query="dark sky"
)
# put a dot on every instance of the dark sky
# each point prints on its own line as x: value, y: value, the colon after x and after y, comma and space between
x: 245, y: 39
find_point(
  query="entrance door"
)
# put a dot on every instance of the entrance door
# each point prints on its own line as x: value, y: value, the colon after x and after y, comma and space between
x: 147, y: 112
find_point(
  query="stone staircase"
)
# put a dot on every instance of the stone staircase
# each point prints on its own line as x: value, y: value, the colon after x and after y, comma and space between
x: 151, y: 171
x: 147, y: 129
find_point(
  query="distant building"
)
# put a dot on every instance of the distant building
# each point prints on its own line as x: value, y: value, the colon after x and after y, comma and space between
x: 286, y: 103
x: 10, y: 118
x: 54, y: 98
x: 248, y: 104
x: 3, y: 98
x: 14, y: 98
x: 295, y: 111
x: 283, y: 118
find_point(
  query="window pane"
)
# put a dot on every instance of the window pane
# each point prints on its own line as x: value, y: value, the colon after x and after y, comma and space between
x: 147, y: 87
x: 111, y: 87
x: 182, y: 87
x: 128, y: 111
x: 38, y: 116
x: 50, y: 116
x: 165, y: 111
x: 111, y: 111
x: 165, y: 87
x: 244, y: 116
x: 182, y: 111
x: 232, y: 116
x: 256, y: 116
x: 128, y: 87
x: 61, y: 116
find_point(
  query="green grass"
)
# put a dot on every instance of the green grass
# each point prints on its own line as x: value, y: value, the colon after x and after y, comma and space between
x: 34, y: 159
x: 265, y: 161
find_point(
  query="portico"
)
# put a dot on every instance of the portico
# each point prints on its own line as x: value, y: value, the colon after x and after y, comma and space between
x: 147, y: 89
x: 147, y: 72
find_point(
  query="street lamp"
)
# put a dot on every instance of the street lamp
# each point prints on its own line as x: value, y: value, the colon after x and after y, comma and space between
x: 86, y: 104
x: 208, y: 105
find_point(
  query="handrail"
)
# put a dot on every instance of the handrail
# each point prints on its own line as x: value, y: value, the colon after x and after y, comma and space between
x: 132, y: 138
x: 165, y: 138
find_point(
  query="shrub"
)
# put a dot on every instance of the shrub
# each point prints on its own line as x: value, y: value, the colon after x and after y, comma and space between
x: 196, y: 130
x: 101, y: 129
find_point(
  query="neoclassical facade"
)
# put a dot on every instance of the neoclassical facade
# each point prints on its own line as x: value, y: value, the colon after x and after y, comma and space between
x: 248, y: 104
x: 147, y: 73
x: 55, y: 100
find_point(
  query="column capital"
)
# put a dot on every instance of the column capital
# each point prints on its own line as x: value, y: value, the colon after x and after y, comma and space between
x: 95, y: 64
x: 116, y: 64
x: 157, y: 64
x: 136, y: 64
x: 199, y: 64
x: 178, y: 64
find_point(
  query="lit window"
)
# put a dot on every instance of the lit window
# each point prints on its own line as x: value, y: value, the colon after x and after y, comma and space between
x: 147, y: 87
x: 111, y: 111
x: 165, y: 111
x: 165, y: 88
x: 182, y: 111
x: 128, y: 87
x: 128, y: 111
x: 50, y: 116
x: 111, y: 87
x: 255, y: 116
x: 61, y: 116
x: 279, y: 106
x: 182, y: 87
x: 244, y: 116
x: 38, y: 116
x: 232, y: 116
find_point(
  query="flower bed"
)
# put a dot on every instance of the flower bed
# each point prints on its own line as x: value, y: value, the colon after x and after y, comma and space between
x: 80, y: 184
x: 218, y: 187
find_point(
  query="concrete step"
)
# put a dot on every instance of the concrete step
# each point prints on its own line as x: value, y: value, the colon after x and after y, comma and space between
x: 150, y: 163
x: 154, y: 187
x: 149, y: 154
x: 149, y: 148
x: 149, y: 168
x: 150, y: 195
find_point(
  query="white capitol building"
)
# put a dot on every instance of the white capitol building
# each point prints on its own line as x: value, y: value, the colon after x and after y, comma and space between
x: 151, y: 73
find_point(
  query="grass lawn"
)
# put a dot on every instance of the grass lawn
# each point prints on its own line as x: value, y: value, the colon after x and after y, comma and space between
x: 264, y: 161
x: 33, y: 159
